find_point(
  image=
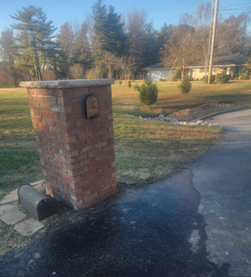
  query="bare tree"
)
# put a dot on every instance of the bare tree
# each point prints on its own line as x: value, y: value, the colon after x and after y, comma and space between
x: 180, y: 50
x: 231, y: 34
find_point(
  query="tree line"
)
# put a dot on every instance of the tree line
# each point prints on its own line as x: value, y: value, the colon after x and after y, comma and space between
x: 109, y: 45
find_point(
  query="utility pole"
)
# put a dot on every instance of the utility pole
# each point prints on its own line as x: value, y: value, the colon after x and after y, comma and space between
x: 209, y: 41
x: 212, y: 43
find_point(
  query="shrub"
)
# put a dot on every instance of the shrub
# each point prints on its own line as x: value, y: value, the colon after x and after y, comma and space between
x: 148, y: 92
x: 162, y: 79
x: 222, y: 78
x: 129, y: 83
x: 185, y: 85
x: 243, y: 77
x: 204, y: 79
x: 120, y: 83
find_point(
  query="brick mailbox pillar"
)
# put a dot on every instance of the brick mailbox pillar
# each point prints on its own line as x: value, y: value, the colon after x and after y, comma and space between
x: 76, y: 150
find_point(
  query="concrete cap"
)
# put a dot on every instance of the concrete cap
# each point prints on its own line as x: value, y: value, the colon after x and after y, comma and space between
x: 67, y: 83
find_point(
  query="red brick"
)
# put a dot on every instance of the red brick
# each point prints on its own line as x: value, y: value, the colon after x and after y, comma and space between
x: 109, y: 116
x: 70, y: 166
x: 86, y: 149
x: 45, y: 107
x: 62, y: 170
x: 50, y: 100
x: 93, y: 140
x: 101, y: 156
x: 36, y: 120
x: 60, y: 92
x: 85, y: 162
x: 46, y: 140
x: 34, y: 106
x: 31, y: 91
x: 107, y: 136
x: 81, y: 122
x: 100, y: 144
x: 75, y: 145
x: 99, y: 132
x: 84, y: 136
x: 77, y: 158
x: 113, y: 164
x: 76, y: 107
x: 32, y: 112
x: 37, y: 138
x: 57, y: 144
x: 103, y: 168
x: 81, y: 195
x: 77, y: 172
x: 101, y: 118
x: 94, y: 153
x: 74, y: 153
x: 52, y: 115
x: 90, y: 197
x: 42, y: 127
x: 48, y: 121
x: 48, y: 153
x: 70, y: 116
x: 66, y: 139
x: 38, y: 99
x: 88, y: 174
x: 50, y: 135
x: 95, y: 165
x: 71, y: 179
x: 61, y: 109
x: 40, y: 113
x: 53, y: 149
x: 106, y: 111
x: 59, y: 157
x: 65, y: 153
x: 92, y: 127
x: 65, y: 125
x: 74, y: 131
x: 79, y: 91
x: 55, y: 130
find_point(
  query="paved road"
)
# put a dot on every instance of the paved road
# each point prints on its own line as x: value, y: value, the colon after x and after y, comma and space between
x: 195, y: 222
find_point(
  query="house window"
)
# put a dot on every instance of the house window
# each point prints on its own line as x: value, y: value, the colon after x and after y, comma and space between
x: 202, y: 70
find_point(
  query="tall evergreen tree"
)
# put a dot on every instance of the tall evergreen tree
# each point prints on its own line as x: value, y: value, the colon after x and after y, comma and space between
x: 116, y: 37
x: 7, y: 55
x: 65, y: 39
x: 99, y: 13
x: 34, y: 42
x: 81, y: 53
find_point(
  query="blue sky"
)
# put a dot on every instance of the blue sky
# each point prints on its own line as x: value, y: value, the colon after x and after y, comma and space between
x: 160, y: 12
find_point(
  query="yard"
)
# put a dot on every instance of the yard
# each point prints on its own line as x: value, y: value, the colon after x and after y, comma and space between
x: 144, y: 152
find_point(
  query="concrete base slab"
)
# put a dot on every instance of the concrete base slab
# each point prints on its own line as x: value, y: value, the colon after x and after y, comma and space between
x: 28, y: 227
x: 7, y: 208
x: 10, y: 197
x: 12, y: 217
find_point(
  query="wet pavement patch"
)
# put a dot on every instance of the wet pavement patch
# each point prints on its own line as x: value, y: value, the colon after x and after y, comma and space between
x: 150, y: 231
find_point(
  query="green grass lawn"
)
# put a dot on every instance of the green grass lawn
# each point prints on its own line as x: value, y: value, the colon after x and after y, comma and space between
x: 145, y: 151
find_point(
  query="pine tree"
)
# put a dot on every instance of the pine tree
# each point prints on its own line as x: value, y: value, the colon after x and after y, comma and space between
x: 81, y: 53
x: 185, y: 85
x: 100, y: 32
x: 7, y: 55
x: 65, y: 39
x: 34, y: 42
x: 148, y: 92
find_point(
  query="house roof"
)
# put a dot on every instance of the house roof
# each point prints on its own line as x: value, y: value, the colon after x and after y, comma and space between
x: 236, y: 59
